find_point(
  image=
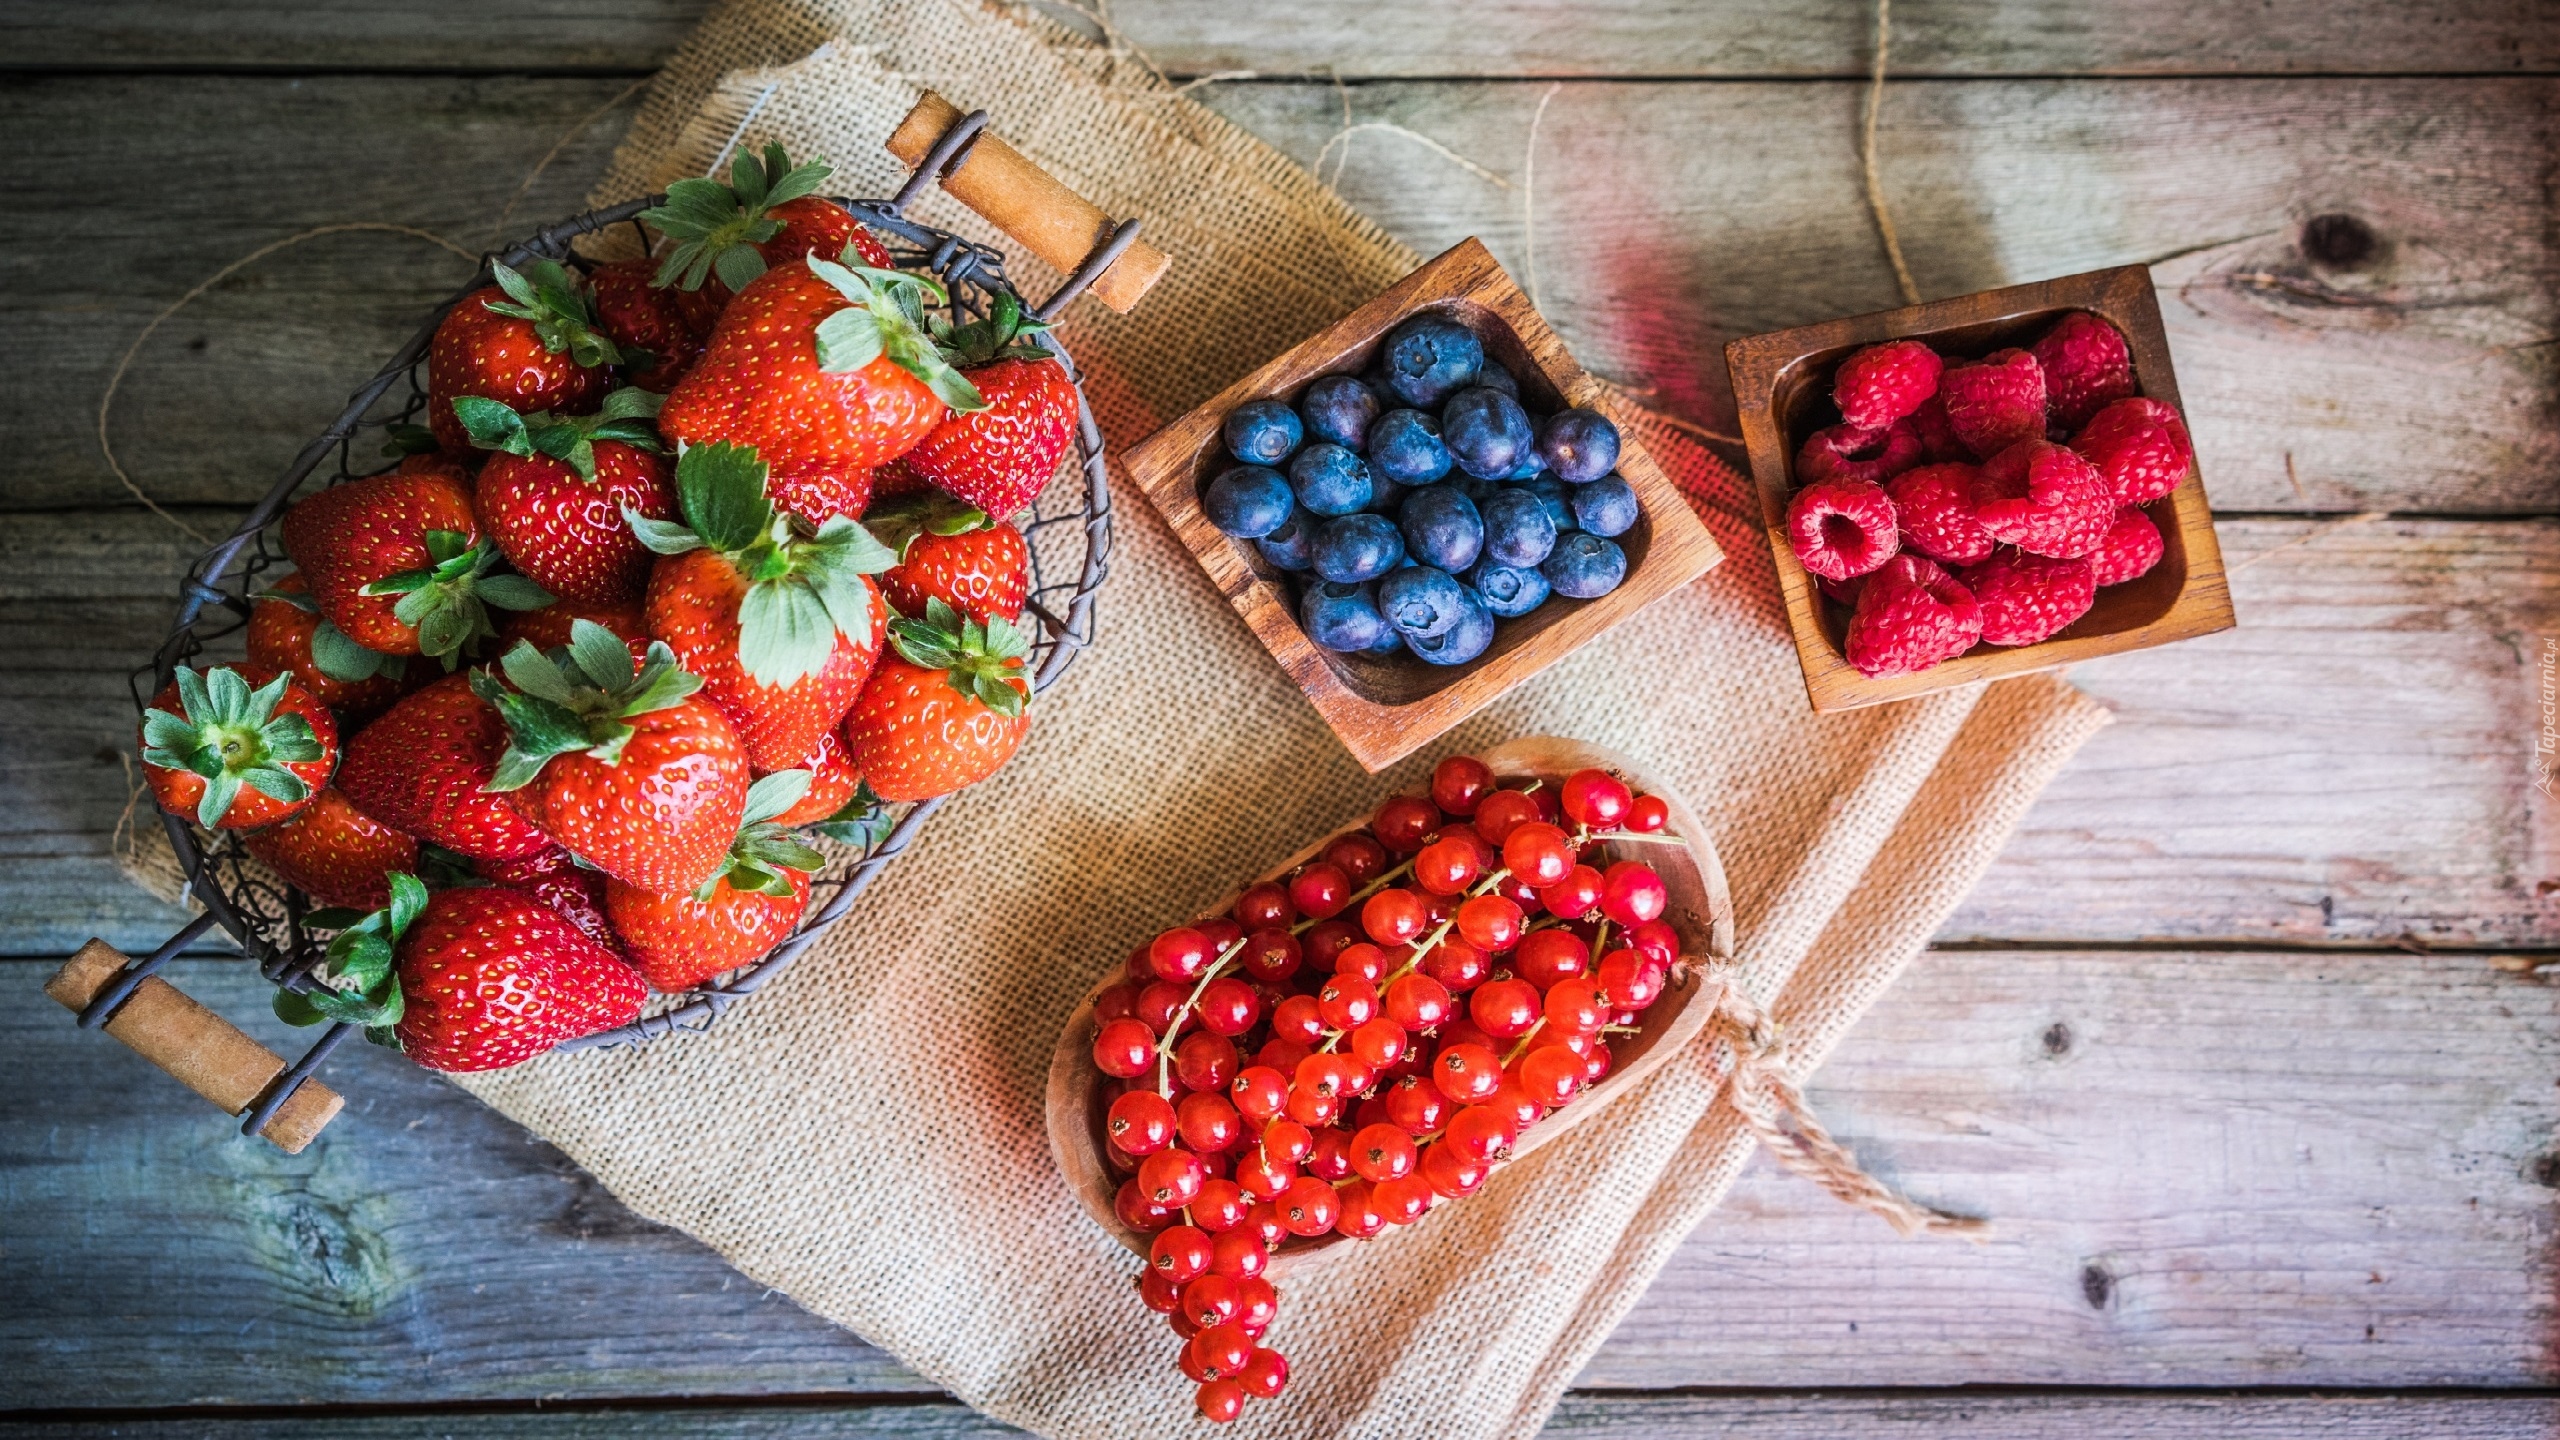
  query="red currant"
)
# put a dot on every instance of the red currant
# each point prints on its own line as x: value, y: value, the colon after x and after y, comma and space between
x: 1538, y: 853
x: 1402, y: 823
x: 1457, y: 965
x: 1380, y: 1153
x: 1358, y: 856
x: 1221, y: 933
x: 1259, y: 1092
x: 1220, y: 1206
x: 1137, y: 969
x: 1325, y: 942
x: 1179, y: 1253
x: 1137, y: 1211
x: 1551, y: 1074
x: 1480, y: 1132
x: 1548, y: 956
x: 1170, y: 1177
x: 1648, y: 814
x: 1265, y: 1222
x: 1312, y: 1107
x: 1574, y: 896
x: 1331, y: 1157
x: 1210, y: 1301
x: 1228, y: 1006
x: 1633, y: 894
x: 1490, y: 922
x: 1466, y: 1073
x: 1549, y: 808
x: 1451, y: 1174
x: 1297, y: 1019
x: 1627, y: 981
x: 1416, y: 1106
x: 1363, y: 961
x: 1517, y: 1103
x: 1459, y: 784
x: 1180, y: 953
x: 1220, y: 1401
x: 1379, y: 1043
x: 1266, y: 1374
x: 1208, y: 1123
x: 1156, y: 1004
x: 1347, y: 1002
x: 1572, y: 1007
x: 1281, y: 1055
x: 1271, y: 956
x: 1416, y: 1002
x: 1504, y: 1009
x: 1446, y: 866
x: 1596, y: 798
x: 1189, y: 1329
x: 1359, y: 1218
x: 1114, y: 1002
x: 1309, y: 1208
x: 1140, y: 1122
x: 1160, y: 1295
x: 1656, y: 941
x: 1123, y: 1048
x: 1502, y: 812
x: 1320, y: 890
x: 1287, y: 1140
x: 1239, y: 1253
x: 1264, y: 906
x: 1257, y: 1305
x: 1393, y: 916
x: 1205, y: 1061
x: 1404, y: 1199
x: 1262, y: 1175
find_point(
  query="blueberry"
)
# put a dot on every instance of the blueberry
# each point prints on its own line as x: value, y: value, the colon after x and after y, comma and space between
x: 1247, y: 501
x: 1584, y: 566
x: 1386, y: 497
x: 1442, y: 527
x: 1263, y: 432
x: 1330, y: 480
x: 1389, y: 643
x: 1517, y: 530
x: 1292, y: 546
x: 1421, y: 602
x: 1530, y: 468
x: 1553, y: 494
x: 1497, y: 376
x: 1428, y: 356
x: 1607, y: 506
x: 1405, y: 445
x: 1343, y: 618
x: 1474, y: 489
x: 1509, y: 591
x: 1462, y: 641
x: 1351, y: 548
x: 1579, y: 445
x: 1487, y: 432
x: 1339, y: 408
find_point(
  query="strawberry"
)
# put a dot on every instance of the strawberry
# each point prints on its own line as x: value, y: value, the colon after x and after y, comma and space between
x: 555, y: 878
x: 485, y: 977
x: 833, y: 781
x: 548, y: 628
x: 421, y: 766
x: 528, y: 341
x: 768, y: 214
x: 782, y: 627
x: 235, y: 757
x: 1000, y: 455
x: 335, y: 853
x: 287, y: 633
x: 645, y: 321
x: 824, y: 372
x: 397, y: 563
x: 950, y: 552
x: 616, y: 761
x: 680, y: 938
x: 945, y: 711
x: 554, y: 494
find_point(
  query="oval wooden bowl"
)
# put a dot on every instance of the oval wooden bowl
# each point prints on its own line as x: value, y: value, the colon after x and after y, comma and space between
x: 1701, y: 911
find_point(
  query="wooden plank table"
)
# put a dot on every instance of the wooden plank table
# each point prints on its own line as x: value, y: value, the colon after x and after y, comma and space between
x: 2242, y: 1039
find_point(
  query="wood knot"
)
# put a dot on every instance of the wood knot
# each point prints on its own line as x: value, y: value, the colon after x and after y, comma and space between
x: 2339, y: 241
x: 2057, y: 1039
x: 2545, y: 1171
x: 2096, y: 1285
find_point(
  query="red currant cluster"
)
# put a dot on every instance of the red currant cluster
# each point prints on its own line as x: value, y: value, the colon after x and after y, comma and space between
x: 1369, y: 1036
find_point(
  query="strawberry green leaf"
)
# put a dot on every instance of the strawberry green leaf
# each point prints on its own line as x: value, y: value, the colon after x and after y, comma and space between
x: 600, y: 653
x: 492, y: 425
x: 219, y: 791
x: 333, y: 917
x: 863, y: 822
x: 739, y: 266
x: 401, y: 584
x: 848, y: 340
x: 721, y: 488
x: 289, y: 739
x: 784, y: 632
x: 343, y: 659
x: 772, y: 794
x: 514, y: 592
x: 532, y: 672
x: 408, y: 901
x: 665, y: 537
x: 407, y: 439
x: 632, y: 403
x: 518, y: 288
x: 294, y: 1008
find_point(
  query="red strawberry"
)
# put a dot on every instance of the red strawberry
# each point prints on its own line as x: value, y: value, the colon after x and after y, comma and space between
x: 396, y: 562
x: 617, y: 762
x: 555, y: 878
x: 1000, y: 455
x: 528, y: 342
x: 823, y: 372
x: 548, y: 627
x: 642, y: 319
x: 555, y: 493
x: 945, y: 711
x: 287, y: 633
x: 421, y: 768
x: 335, y: 853
x: 950, y: 552
x: 782, y: 627
x: 233, y: 756
x: 768, y: 214
x: 833, y: 782
x: 680, y: 938
x: 491, y: 977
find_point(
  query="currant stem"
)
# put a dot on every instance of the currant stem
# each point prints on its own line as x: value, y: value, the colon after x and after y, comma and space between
x: 1432, y: 941
x: 1173, y: 1027
x: 1526, y: 1036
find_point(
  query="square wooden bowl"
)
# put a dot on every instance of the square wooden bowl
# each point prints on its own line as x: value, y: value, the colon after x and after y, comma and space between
x: 1782, y: 384
x: 1386, y: 707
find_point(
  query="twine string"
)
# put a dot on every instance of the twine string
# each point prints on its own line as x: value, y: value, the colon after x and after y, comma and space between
x: 1867, y: 157
x: 1768, y: 1098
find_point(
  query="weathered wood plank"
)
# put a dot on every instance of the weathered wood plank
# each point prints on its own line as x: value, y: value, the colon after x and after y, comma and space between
x: 1674, y: 217
x: 1654, y: 1417
x: 2416, y: 381
x: 2207, y: 1169
x: 1324, y: 37
x: 2350, y: 765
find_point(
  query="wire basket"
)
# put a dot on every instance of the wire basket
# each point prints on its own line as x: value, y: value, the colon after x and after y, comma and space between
x: 1068, y: 533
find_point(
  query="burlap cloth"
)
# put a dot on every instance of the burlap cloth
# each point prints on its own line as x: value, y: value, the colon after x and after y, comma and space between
x: 866, y: 1135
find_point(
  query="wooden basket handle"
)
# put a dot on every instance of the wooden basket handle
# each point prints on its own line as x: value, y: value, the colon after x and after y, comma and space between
x: 207, y: 1053
x: 1029, y: 204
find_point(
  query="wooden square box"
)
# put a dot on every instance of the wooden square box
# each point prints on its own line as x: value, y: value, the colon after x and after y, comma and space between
x: 1385, y: 708
x: 1782, y: 386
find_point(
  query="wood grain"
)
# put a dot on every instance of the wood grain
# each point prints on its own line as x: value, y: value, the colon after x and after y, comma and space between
x: 2217, y: 1168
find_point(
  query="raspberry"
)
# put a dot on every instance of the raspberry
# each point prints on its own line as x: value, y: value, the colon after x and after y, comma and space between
x: 1911, y: 615
x: 2131, y: 548
x: 1995, y: 402
x: 1937, y: 440
x: 1844, y: 591
x: 2085, y: 366
x: 1882, y: 383
x: 2044, y: 498
x: 2140, y: 446
x: 1845, y: 452
x: 1934, y: 505
x: 1842, y: 528
x: 2026, y: 598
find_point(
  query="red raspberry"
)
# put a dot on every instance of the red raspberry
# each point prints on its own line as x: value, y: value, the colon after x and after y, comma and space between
x: 1882, y: 383
x: 1844, y: 591
x: 1934, y: 505
x: 2131, y: 548
x: 2141, y: 447
x: 1911, y: 615
x: 1845, y: 452
x: 1937, y: 440
x: 2042, y: 497
x: 1996, y: 402
x: 2026, y: 598
x: 2085, y: 366
x: 1842, y: 528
